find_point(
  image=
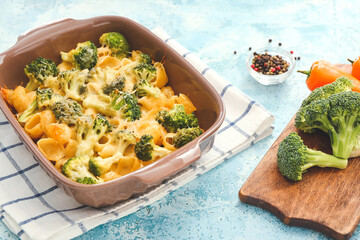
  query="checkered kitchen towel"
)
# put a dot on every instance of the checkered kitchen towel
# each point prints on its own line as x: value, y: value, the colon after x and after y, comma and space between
x: 32, y: 206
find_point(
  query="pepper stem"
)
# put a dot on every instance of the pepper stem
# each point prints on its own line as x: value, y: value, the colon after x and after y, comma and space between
x: 351, y: 61
x: 305, y: 72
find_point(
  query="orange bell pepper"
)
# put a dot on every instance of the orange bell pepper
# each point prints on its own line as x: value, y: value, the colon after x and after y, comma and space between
x: 323, y: 72
x: 355, y: 71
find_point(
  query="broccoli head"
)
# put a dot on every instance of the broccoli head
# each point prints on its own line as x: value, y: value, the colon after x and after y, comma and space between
x: 176, y: 118
x: 77, y: 170
x: 294, y: 158
x: 144, y: 58
x: 147, y: 150
x: 84, y: 56
x: 67, y: 111
x: 117, y: 84
x: 116, y: 42
x: 341, y: 84
x: 186, y: 135
x: 143, y: 88
x: 145, y: 71
x: 89, y: 130
x: 38, y: 70
x: 126, y: 104
x: 73, y: 83
x: 121, y: 140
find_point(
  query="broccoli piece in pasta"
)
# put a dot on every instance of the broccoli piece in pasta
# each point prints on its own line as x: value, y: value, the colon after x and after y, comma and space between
x: 44, y: 99
x: 84, y: 56
x: 38, y: 70
x: 77, y: 170
x: 186, y: 135
x: 122, y: 140
x: 117, y: 84
x: 67, y: 111
x: 117, y: 43
x: 145, y: 71
x: 176, y: 119
x: 147, y: 150
x: 89, y: 130
x: 144, y: 58
x: 126, y: 104
x: 73, y: 83
x: 143, y: 88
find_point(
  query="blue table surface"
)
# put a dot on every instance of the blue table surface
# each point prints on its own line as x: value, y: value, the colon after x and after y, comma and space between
x: 209, y: 207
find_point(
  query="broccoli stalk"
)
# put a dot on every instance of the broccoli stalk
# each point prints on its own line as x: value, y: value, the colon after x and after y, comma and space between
x: 77, y: 169
x: 147, y: 150
x: 186, y: 135
x: 117, y: 43
x: 89, y: 130
x: 176, y: 118
x: 143, y: 88
x: 122, y: 140
x: 294, y: 158
x: 126, y: 105
x: 84, y: 56
x: 38, y: 70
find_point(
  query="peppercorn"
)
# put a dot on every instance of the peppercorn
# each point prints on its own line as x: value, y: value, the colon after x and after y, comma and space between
x: 268, y: 64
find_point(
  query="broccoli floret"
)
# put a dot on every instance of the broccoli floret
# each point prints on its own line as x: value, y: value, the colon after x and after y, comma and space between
x: 84, y: 56
x: 144, y: 58
x: 146, y: 149
x: 45, y: 98
x: 67, y: 111
x: 126, y: 104
x: 117, y: 84
x: 73, y: 83
x: 89, y: 130
x: 338, y: 116
x: 294, y: 158
x: 77, y: 169
x: 145, y: 71
x: 186, y: 135
x: 121, y: 140
x: 341, y: 84
x: 38, y: 70
x: 143, y: 88
x: 176, y: 118
x: 117, y: 43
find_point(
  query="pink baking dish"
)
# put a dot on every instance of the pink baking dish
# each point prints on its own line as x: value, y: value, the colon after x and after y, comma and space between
x: 48, y: 40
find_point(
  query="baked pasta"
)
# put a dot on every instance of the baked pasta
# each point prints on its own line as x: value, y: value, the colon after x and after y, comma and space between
x: 104, y: 111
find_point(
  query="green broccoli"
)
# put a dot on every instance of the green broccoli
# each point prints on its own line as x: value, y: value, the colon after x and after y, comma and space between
x: 67, y: 111
x: 89, y: 130
x: 338, y: 116
x: 294, y: 158
x: 44, y: 99
x: 73, y: 83
x: 77, y: 169
x: 84, y: 56
x: 38, y: 70
x: 117, y: 84
x: 186, y: 135
x: 145, y: 71
x: 176, y: 118
x: 126, y: 104
x: 144, y: 58
x: 342, y: 84
x: 146, y: 149
x: 117, y: 43
x: 143, y: 88
x: 121, y: 139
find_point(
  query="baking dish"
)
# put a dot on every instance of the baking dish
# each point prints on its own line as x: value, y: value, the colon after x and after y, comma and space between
x: 48, y: 40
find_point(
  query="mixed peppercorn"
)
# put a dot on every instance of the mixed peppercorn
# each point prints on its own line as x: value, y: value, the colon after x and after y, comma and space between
x: 267, y: 64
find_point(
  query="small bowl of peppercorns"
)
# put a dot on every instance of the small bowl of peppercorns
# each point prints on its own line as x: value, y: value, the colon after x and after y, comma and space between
x: 270, y: 65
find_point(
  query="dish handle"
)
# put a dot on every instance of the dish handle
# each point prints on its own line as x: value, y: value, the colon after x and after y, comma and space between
x: 161, y: 172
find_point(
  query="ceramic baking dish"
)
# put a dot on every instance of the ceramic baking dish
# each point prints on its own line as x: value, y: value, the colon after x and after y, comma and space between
x: 48, y: 40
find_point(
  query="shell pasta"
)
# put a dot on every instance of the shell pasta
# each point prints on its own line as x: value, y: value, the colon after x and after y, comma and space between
x: 102, y: 112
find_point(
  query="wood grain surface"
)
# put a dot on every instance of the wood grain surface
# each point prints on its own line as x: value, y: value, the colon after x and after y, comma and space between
x: 326, y: 200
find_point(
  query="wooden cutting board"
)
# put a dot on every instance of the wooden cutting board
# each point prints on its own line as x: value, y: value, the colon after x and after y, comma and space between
x: 326, y: 200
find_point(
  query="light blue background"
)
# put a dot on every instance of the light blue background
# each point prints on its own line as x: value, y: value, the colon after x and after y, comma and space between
x: 209, y: 207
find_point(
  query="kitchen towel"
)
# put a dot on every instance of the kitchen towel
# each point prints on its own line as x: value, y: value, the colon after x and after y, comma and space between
x: 33, y: 207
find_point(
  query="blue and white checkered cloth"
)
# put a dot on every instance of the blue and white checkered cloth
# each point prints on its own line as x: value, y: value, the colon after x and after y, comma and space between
x: 33, y: 207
